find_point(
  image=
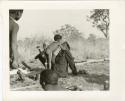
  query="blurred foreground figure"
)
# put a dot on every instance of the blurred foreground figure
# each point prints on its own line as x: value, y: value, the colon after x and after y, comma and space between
x: 49, y: 81
x: 14, y: 15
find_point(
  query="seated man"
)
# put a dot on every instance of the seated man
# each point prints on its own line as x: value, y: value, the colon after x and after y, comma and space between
x: 49, y: 81
x: 63, y: 60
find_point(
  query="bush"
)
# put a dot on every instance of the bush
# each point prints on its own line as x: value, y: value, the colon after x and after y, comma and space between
x: 90, y: 50
x: 81, y: 49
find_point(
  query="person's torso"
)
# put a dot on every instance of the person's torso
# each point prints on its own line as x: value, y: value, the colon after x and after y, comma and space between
x: 53, y: 48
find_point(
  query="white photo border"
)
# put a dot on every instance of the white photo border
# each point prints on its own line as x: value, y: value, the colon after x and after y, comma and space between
x: 117, y: 52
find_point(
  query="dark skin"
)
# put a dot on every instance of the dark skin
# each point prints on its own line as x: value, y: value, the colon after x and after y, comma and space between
x: 42, y: 57
x: 52, y: 50
x: 13, y: 31
x: 49, y: 81
x: 64, y: 60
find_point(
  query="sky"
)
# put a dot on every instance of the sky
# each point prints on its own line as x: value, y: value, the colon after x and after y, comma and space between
x: 36, y: 23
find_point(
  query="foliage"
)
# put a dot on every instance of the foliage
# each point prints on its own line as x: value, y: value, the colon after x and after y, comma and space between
x: 69, y: 32
x: 92, y: 37
x: 91, y: 48
x: 100, y: 19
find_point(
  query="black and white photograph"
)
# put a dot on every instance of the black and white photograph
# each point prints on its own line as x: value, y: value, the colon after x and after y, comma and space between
x: 59, y: 50
x: 74, y: 47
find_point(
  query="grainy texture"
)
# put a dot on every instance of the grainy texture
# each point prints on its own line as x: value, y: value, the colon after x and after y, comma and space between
x: 98, y: 73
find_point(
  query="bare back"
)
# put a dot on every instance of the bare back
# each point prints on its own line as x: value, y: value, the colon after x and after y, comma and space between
x: 52, y: 47
x: 50, y: 50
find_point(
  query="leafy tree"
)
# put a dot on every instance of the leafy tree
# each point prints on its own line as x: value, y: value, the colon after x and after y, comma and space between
x: 100, y: 19
x: 69, y: 32
x: 92, y: 37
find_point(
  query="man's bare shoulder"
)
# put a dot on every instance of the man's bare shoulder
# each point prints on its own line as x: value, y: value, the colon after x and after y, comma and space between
x: 53, y: 43
x: 52, y: 46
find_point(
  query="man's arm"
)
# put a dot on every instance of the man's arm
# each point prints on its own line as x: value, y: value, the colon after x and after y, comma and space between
x: 65, y: 46
x: 14, y: 41
x: 49, y: 60
x: 40, y: 54
x: 36, y: 57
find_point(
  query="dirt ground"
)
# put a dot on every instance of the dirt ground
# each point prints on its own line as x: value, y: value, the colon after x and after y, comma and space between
x: 98, y: 73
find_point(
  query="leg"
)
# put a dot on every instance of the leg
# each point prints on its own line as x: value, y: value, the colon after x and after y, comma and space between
x: 53, y: 62
x: 71, y: 62
x: 47, y: 60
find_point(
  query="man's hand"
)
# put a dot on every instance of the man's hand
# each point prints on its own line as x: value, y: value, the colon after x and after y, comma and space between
x: 15, y: 65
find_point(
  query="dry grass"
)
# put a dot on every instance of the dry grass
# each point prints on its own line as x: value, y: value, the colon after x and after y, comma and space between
x: 90, y: 50
x: 81, y: 49
x: 98, y: 73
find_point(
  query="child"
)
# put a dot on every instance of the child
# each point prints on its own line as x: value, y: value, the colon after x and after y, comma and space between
x: 52, y: 50
x: 49, y: 81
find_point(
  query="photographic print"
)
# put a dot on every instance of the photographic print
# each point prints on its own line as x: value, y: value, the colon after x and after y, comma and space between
x: 59, y: 50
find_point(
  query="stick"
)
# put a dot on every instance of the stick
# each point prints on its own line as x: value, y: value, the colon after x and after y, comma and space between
x: 26, y: 65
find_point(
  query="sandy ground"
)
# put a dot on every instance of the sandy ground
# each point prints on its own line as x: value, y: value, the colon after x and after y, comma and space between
x: 98, y: 73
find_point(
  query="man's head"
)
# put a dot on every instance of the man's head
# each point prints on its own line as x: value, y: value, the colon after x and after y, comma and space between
x: 57, y: 37
x: 15, y: 14
x: 48, y: 77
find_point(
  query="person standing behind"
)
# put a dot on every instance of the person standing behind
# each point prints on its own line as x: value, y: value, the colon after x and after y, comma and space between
x: 14, y: 15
